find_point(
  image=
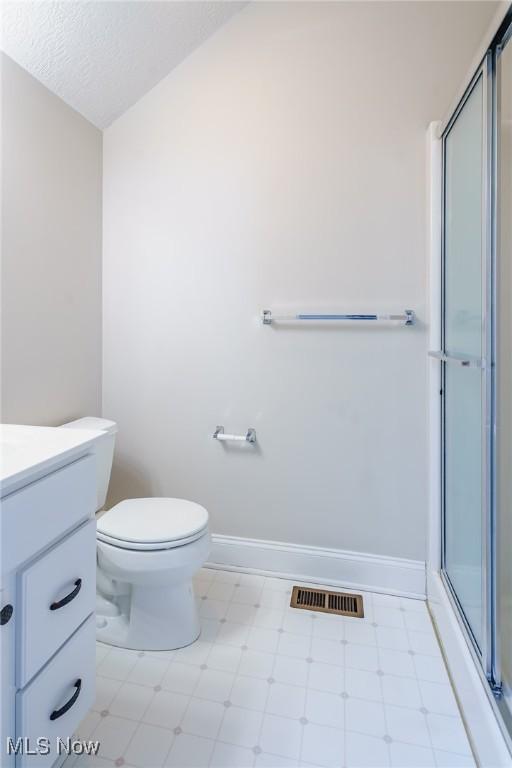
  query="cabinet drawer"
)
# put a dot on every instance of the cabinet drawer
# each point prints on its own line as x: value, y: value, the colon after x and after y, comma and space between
x: 56, y: 594
x: 46, y: 510
x: 64, y: 689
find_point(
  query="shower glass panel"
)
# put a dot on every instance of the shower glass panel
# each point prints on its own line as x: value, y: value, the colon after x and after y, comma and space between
x: 463, y: 345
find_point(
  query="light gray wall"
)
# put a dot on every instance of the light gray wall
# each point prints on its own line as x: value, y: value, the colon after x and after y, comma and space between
x: 281, y: 166
x: 51, y: 255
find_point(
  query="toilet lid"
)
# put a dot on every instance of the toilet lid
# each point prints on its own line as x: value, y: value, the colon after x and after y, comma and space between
x: 153, y: 521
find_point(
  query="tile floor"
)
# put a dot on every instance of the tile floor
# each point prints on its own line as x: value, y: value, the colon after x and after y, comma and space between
x: 269, y: 686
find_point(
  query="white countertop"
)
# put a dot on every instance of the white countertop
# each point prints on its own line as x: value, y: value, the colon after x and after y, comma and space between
x: 27, y: 451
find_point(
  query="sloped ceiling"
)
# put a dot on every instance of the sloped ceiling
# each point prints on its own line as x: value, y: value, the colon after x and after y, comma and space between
x: 101, y: 57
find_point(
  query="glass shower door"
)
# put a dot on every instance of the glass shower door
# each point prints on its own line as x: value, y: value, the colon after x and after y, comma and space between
x: 464, y: 344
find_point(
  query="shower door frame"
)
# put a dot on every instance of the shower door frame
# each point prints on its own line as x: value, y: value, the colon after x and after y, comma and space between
x: 484, y: 655
x: 506, y: 38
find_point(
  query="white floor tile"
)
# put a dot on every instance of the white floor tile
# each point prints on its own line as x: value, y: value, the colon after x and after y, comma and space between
x: 240, y: 613
x: 408, y: 604
x: 329, y: 627
x: 424, y: 642
x: 392, y: 637
x: 219, y: 590
x: 224, y: 657
x: 190, y: 752
x: 166, y: 709
x: 290, y: 670
x: 181, y: 678
x: 233, y: 634
x: 114, y: 735
x: 264, y: 760
x: 363, y: 634
x: 281, y: 736
x: 106, y: 689
x: 325, y: 708
x: 396, y: 663
x: 322, y: 746
x: 451, y: 760
x: 271, y: 599
x: 203, y: 718
x: 438, y: 698
x: 448, y: 734
x: 256, y: 664
x: 363, y: 751
x: 360, y: 683
x: 209, y: 630
x: 251, y: 580
x: 131, y: 701
x: 117, y: 664
x: 148, y: 671
x: 249, y: 692
x: 228, y: 577
x: 361, y: 657
x: 410, y: 756
x: 327, y: 651
x: 261, y: 639
x: 197, y: 653
x: 365, y: 717
x: 407, y: 725
x: 241, y: 727
x: 214, y: 685
x: 430, y: 668
x: 268, y: 618
x: 101, y: 652
x: 272, y: 686
x: 229, y: 756
x: 88, y: 725
x: 247, y: 594
x: 389, y: 617
x: 149, y: 747
x: 297, y: 622
x: 403, y: 691
x: 213, y: 609
x: 286, y: 700
x: 297, y: 646
x: 421, y: 622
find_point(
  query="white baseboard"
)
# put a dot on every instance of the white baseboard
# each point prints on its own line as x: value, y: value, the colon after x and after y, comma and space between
x: 475, y: 700
x: 336, y: 567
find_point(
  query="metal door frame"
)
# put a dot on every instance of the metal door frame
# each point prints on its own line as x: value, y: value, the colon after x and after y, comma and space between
x: 484, y: 655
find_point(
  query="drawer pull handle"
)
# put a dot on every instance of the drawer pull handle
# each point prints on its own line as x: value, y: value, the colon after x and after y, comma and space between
x: 68, y: 598
x: 67, y: 706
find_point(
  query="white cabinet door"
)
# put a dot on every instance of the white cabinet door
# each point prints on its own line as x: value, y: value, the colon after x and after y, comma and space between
x: 55, y: 702
x: 56, y: 594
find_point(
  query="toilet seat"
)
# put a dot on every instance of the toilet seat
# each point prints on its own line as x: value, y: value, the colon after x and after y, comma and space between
x: 152, y: 524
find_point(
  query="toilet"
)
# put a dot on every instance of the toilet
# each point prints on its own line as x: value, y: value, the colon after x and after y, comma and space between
x: 148, y: 551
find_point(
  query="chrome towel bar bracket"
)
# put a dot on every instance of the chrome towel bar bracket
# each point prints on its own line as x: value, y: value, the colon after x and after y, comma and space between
x: 249, y: 437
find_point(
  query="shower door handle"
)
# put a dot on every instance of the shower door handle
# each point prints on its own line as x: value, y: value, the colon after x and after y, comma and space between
x: 465, y: 361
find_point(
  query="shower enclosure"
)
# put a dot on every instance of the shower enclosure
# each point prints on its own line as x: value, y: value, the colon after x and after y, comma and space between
x: 476, y: 367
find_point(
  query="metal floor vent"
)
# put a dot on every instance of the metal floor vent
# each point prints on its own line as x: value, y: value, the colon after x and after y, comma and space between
x: 342, y: 603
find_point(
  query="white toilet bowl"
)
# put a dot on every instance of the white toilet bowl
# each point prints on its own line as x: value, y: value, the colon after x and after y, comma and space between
x: 148, y: 552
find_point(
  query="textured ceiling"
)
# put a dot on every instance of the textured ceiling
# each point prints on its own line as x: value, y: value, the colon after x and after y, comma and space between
x: 101, y: 57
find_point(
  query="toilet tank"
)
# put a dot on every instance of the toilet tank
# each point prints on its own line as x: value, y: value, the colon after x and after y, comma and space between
x: 103, y: 449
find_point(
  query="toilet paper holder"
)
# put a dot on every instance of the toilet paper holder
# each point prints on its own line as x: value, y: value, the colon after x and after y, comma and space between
x: 249, y: 437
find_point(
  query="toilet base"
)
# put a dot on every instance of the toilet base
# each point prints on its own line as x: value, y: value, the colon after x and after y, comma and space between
x: 152, y: 619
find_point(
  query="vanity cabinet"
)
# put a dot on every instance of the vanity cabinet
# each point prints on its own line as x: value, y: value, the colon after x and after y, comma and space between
x: 48, y: 568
